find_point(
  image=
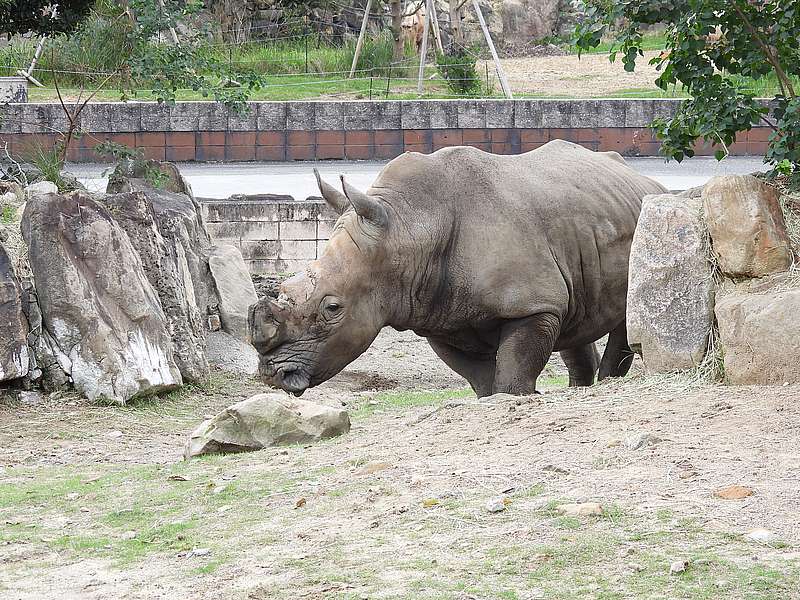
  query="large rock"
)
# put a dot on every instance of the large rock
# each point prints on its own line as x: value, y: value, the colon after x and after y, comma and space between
x: 760, y: 336
x: 14, y: 352
x: 267, y: 420
x: 167, y: 269
x: 178, y: 217
x: 746, y: 225
x: 102, y: 316
x: 235, y: 288
x: 670, y: 307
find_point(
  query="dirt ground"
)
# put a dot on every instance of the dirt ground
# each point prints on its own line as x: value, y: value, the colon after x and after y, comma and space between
x: 96, y: 503
x: 590, y: 76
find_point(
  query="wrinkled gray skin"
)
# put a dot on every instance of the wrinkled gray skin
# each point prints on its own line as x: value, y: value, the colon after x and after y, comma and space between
x: 497, y: 260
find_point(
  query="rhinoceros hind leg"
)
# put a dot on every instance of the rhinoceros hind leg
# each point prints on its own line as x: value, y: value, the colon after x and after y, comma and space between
x: 478, y: 371
x: 524, y: 348
x: 581, y: 363
x: 618, y: 356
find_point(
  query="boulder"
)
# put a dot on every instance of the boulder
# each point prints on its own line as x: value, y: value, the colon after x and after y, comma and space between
x: 167, y: 270
x: 234, y: 286
x: 746, y: 225
x: 178, y: 217
x: 267, y: 420
x: 103, y: 320
x: 14, y: 352
x: 760, y: 336
x: 670, y: 307
x: 40, y: 188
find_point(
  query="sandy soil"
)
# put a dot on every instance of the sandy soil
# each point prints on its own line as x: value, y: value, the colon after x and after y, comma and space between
x: 590, y: 76
x: 95, y: 502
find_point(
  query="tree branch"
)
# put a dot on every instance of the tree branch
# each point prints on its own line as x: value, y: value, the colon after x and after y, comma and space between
x: 783, y: 79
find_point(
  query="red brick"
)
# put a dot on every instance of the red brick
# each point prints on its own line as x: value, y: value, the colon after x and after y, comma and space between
x: 330, y: 151
x: 210, y: 138
x: 502, y: 148
x: 443, y: 138
x: 209, y: 153
x: 129, y: 139
x: 485, y: 146
x: 534, y: 136
x: 240, y: 138
x: 359, y: 138
x: 756, y: 148
x: 386, y: 151
x: 528, y: 146
x: 500, y: 135
x: 759, y: 134
x: 588, y: 134
x: 424, y: 148
x: 271, y: 138
x: 73, y: 154
x: 271, y: 153
x: 180, y: 138
x: 90, y: 140
x: 154, y: 152
x: 570, y: 135
x: 300, y: 153
x: 152, y: 139
x: 359, y: 151
x: 471, y: 136
x: 329, y: 138
x: 611, y: 138
x: 301, y: 138
x: 180, y: 153
x: 415, y: 136
x: 240, y: 152
x: 386, y: 137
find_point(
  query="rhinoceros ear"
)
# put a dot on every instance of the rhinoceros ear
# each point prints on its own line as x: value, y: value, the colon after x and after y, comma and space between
x: 367, y: 208
x: 336, y: 199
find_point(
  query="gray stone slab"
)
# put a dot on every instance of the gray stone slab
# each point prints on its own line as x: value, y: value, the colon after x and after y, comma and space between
x: 638, y: 113
x: 260, y: 250
x: 443, y: 114
x: 300, y: 116
x: 471, y: 114
x: 328, y: 116
x: 583, y: 114
x: 155, y: 117
x: 556, y: 113
x: 611, y: 113
x: 212, y: 116
x: 415, y: 114
x: 527, y: 114
x: 11, y: 116
x: 271, y: 116
x: 226, y: 210
x: 185, y: 116
x: 499, y: 113
x: 244, y: 118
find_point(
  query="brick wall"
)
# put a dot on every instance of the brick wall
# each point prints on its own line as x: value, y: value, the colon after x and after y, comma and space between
x: 354, y: 130
x: 274, y: 233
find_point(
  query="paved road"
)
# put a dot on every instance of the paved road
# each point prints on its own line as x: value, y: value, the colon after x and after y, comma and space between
x: 220, y: 180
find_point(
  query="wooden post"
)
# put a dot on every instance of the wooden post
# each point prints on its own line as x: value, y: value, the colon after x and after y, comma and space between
x: 360, y: 41
x: 437, y: 35
x: 500, y: 73
x: 29, y: 73
x: 424, y: 51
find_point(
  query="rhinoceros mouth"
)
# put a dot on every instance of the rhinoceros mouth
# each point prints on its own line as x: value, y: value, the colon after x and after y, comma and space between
x: 293, y: 379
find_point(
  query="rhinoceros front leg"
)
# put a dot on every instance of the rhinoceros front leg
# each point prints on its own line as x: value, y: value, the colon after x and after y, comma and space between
x: 478, y: 371
x: 524, y: 348
x: 618, y: 356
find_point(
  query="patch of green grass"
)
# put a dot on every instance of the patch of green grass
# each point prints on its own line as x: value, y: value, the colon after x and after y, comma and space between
x: 403, y: 400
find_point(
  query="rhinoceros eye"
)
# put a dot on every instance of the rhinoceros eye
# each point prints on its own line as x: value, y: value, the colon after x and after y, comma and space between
x: 332, y: 308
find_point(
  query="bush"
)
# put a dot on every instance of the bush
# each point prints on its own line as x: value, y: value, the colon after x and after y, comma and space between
x: 458, y: 69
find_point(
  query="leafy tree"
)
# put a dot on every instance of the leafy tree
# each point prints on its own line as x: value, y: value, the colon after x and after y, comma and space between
x: 45, y: 17
x: 717, y: 50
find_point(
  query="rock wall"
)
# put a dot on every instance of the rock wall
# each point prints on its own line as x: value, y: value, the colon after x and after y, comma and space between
x: 716, y: 257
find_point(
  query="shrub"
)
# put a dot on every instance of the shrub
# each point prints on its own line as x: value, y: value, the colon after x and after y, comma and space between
x: 458, y: 69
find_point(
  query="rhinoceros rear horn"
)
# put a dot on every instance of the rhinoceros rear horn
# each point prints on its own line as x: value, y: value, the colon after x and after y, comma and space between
x: 367, y: 208
x: 336, y: 199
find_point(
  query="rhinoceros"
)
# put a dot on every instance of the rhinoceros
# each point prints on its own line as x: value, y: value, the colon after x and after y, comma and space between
x: 497, y: 260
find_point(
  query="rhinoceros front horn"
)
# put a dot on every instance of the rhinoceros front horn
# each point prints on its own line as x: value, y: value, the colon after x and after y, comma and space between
x: 335, y: 199
x: 367, y: 208
x: 265, y: 324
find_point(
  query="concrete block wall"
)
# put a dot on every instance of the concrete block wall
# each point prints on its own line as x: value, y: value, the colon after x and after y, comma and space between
x: 353, y: 130
x: 274, y: 233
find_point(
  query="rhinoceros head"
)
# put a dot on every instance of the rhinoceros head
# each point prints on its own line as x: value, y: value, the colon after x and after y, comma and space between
x: 325, y: 317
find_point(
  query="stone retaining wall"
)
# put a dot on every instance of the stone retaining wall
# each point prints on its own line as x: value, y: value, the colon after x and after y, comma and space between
x: 281, y: 131
x: 274, y: 233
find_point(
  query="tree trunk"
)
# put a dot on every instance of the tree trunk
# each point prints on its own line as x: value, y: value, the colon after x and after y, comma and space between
x: 456, y: 30
x: 397, y: 30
